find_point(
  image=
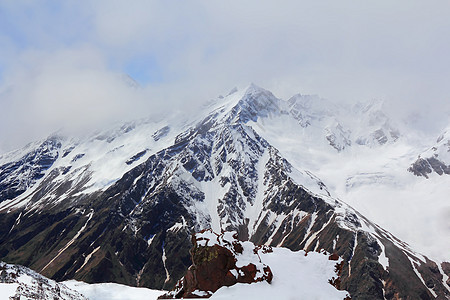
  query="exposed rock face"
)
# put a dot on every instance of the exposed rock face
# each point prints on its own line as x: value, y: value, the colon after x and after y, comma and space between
x: 446, y: 269
x: 425, y: 166
x: 30, y: 285
x: 220, y: 260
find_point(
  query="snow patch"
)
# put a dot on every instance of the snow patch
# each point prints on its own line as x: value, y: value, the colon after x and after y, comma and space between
x: 113, y: 291
x: 164, y: 259
x: 177, y: 226
x: 88, y: 257
x: 296, y: 276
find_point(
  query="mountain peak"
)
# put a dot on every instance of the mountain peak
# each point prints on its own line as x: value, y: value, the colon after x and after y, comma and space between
x: 255, y: 89
x: 255, y: 102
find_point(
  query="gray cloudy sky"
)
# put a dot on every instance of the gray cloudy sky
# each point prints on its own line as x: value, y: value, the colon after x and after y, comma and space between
x: 60, y: 61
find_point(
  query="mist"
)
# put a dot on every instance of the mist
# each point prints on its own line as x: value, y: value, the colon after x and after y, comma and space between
x: 63, y: 64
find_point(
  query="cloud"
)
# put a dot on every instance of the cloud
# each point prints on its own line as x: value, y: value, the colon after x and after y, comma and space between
x: 68, y: 89
x: 340, y: 49
x: 185, y: 52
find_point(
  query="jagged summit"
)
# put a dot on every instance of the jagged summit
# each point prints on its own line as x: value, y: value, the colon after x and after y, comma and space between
x: 255, y: 103
x: 339, y: 126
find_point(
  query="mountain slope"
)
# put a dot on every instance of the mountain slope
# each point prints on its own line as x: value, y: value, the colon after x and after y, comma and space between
x: 220, y: 174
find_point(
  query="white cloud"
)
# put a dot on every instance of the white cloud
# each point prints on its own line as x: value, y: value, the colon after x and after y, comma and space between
x: 69, y: 89
x: 341, y: 50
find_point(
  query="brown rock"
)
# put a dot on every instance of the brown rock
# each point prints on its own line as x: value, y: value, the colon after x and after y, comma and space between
x: 211, y: 266
x: 333, y: 256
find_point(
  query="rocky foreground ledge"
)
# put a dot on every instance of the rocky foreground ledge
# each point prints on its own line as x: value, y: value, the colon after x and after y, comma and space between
x: 18, y: 282
x: 220, y: 260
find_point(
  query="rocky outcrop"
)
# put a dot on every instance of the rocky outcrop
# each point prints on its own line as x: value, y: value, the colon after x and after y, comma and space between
x: 30, y: 285
x: 220, y: 260
x: 425, y: 166
x: 434, y: 160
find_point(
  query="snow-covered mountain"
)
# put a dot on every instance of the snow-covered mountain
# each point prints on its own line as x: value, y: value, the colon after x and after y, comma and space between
x: 85, y: 164
x: 121, y: 205
x: 101, y: 158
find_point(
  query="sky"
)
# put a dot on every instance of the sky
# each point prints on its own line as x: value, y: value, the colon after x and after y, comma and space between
x: 62, y: 63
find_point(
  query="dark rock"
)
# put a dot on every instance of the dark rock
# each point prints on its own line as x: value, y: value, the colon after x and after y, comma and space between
x: 135, y: 157
x: 446, y: 268
x: 425, y: 166
x: 77, y: 157
x: 161, y: 133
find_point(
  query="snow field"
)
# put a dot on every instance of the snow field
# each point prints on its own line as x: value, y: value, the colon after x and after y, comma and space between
x: 112, y: 291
